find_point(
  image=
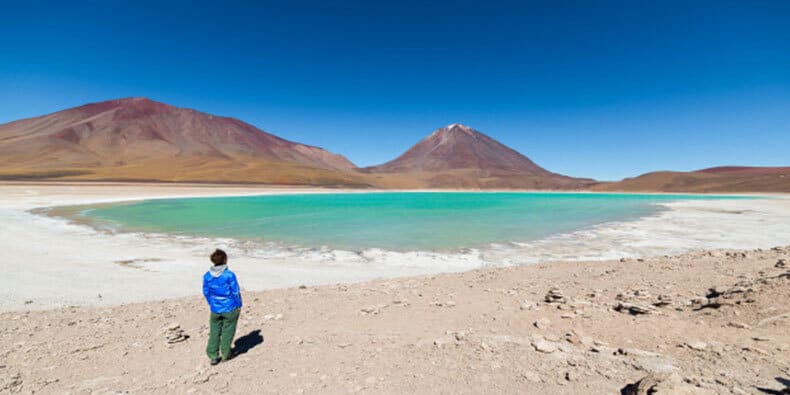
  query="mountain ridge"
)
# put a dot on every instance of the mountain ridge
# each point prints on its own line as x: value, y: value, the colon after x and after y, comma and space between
x: 139, y: 139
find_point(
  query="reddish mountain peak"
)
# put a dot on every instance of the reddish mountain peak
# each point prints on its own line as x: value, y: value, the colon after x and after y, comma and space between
x: 137, y: 129
x: 455, y: 128
x: 458, y: 127
x: 457, y: 146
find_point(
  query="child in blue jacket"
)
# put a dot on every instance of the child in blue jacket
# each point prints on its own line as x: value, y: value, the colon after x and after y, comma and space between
x: 224, y: 298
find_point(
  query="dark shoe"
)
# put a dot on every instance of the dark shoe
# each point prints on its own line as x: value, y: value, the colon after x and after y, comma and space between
x: 215, y: 361
x: 229, y: 357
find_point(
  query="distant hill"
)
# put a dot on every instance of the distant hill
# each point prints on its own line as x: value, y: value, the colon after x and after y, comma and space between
x: 457, y: 156
x: 715, y: 179
x: 140, y: 139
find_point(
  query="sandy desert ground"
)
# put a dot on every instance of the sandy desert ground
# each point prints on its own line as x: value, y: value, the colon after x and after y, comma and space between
x: 704, y: 322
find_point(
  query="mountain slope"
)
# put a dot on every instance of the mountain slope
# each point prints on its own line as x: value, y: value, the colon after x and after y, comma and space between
x: 715, y: 179
x: 457, y: 156
x: 138, y: 138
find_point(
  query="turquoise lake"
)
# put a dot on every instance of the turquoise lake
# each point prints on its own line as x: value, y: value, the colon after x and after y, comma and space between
x: 401, y: 221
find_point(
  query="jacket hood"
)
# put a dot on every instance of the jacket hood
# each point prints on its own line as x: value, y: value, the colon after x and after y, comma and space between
x: 217, y: 270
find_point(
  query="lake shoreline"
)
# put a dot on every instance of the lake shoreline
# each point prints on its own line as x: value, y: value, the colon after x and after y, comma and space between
x: 122, y: 268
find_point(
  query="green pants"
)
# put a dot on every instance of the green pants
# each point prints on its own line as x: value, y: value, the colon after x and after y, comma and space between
x: 220, y: 338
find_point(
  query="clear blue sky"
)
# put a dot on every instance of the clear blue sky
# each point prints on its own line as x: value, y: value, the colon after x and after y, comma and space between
x: 602, y: 89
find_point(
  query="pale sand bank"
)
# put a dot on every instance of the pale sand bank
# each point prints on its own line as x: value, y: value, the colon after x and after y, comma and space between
x: 67, y: 264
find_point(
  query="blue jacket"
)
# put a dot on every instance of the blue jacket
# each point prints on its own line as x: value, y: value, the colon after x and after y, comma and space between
x: 222, y: 292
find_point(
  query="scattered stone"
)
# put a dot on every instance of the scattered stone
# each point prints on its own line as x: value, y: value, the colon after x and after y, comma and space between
x: 755, y: 349
x: 633, y: 308
x: 544, y: 346
x: 696, y: 345
x: 781, y: 264
x: 303, y: 286
x: 459, y: 335
x: 370, y: 310
x: 595, y: 293
x: 174, y: 334
x: 527, y: 305
x: 739, y: 325
x: 654, y: 364
x: 448, y: 303
x: 10, y: 382
x: 663, y: 300
x: 555, y: 296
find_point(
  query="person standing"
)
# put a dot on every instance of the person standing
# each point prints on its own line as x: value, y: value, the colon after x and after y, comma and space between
x: 223, y: 295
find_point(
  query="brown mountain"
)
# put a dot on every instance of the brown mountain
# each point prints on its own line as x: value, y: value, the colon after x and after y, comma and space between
x: 140, y: 139
x: 715, y: 179
x: 457, y: 156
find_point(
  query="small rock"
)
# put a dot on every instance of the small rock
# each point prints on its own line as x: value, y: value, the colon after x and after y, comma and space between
x: 632, y: 308
x: 10, y: 382
x: 739, y: 325
x: 370, y: 310
x: 755, y: 349
x: 781, y: 264
x: 542, y: 323
x: 544, y: 346
x: 555, y: 296
x: 663, y: 300
x: 696, y: 345
x: 174, y: 334
x: 459, y: 335
x: 527, y: 305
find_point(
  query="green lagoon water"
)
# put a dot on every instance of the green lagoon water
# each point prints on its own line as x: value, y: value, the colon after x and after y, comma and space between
x: 395, y: 221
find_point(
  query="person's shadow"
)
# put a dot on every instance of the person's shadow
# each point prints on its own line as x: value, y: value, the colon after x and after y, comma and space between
x: 783, y: 381
x: 247, y: 342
